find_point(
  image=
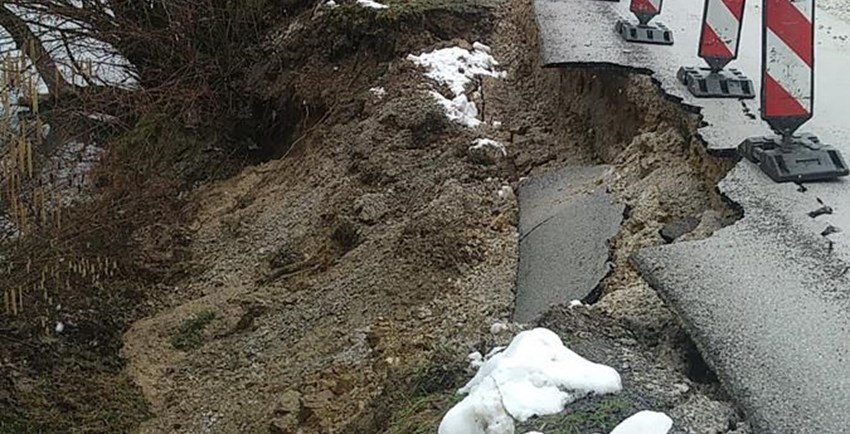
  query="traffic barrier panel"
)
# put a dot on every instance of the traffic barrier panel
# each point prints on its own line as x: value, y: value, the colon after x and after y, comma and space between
x: 718, y: 45
x: 787, y: 102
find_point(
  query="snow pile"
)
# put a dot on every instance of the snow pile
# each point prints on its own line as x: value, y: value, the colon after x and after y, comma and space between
x: 456, y: 67
x: 645, y: 422
x: 535, y: 375
x: 371, y: 4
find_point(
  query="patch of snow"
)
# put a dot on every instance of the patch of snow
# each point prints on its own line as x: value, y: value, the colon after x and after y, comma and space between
x: 331, y: 4
x: 488, y: 143
x: 60, y: 327
x: 481, y: 47
x: 455, y: 67
x: 535, y: 375
x: 475, y: 360
x: 645, y: 422
x: 576, y: 303
x: 497, y: 124
x: 102, y: 117
x: 379, y: 92
x: 371, y: 4
x: 480, y: 413
x: 460, y: 109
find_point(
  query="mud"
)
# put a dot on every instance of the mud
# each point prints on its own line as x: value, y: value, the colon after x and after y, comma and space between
x: 375, y: 244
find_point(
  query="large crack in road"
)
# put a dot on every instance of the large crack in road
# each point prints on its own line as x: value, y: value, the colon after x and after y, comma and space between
x: 645, y: 157
x: 765, y: 298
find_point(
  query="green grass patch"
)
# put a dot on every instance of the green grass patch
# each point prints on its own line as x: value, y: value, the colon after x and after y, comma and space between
x: 600, y: 416
x: 190, y: 335
x: 422, y: 414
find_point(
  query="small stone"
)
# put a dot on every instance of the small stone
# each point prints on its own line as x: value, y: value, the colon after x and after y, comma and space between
x: 288, y: 403
x: 830, y: 230
x: 710, y: 222
x: 498, y: 328
x: 289, y: 413
x: 370, y: 207
x: 506, y: 192
x: 673, y: 230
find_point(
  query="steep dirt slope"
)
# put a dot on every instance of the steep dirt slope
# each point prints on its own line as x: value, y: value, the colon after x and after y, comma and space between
x: 339, y: 285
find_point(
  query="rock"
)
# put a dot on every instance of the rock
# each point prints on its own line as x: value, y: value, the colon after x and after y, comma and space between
x: 370, y: 207
x: 288, y: 403
x: 673, y: 230
x: 710, y: 222
x: 506, y: 193
x: 486, y: 152
x: 289, y: 414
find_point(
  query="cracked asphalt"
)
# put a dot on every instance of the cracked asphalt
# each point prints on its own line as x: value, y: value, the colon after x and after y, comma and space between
x: 766, y: 299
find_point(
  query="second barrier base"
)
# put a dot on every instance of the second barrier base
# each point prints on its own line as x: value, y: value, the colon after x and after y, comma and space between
x: 800, y: 158
x: 726, y: 83
x: 644, y: 33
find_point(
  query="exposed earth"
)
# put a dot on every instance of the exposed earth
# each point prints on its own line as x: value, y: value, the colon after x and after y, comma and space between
x: 338, y: 285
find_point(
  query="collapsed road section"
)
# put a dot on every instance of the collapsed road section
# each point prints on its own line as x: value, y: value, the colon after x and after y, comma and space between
x: 765, y: 299
x: 565, y: 207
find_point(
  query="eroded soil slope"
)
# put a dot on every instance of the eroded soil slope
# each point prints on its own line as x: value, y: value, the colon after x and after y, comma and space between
x: 326, y: 275
x: 339, y: 284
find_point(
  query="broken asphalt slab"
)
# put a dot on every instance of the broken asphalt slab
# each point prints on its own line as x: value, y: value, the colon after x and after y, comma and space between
x: 767, y: 304
x: 767, y: 298
x: 566, y: 219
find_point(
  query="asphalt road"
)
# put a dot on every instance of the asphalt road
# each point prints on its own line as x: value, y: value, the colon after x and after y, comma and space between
x: 765, y: 299
x: 566, y: 219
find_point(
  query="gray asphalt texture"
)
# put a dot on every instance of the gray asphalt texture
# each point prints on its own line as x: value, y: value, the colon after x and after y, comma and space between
x: 766, y: 299
x: 566, y: 219
x: 767, y: 304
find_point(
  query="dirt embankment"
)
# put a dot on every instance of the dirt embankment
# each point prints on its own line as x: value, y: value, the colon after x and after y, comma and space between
x: 330, y: 274
x: 341, y: 282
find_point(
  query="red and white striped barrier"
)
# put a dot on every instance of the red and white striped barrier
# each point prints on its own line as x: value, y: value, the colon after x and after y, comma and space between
x: 721, y: 32
x: 645, y: 10
x: 788, y: 53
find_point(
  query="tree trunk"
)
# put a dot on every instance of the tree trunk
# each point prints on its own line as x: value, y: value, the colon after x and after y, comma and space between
x: 40, y: 57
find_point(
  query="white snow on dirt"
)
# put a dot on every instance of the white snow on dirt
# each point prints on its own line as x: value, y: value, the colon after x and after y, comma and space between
x: 371, y: 4
x: 456, y: 67
x: 535, y: 375
x: 379, y: 92
x: 506, y: 192
x: 488, y: 143
x: 459, y: 109
x: 645, y: 422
